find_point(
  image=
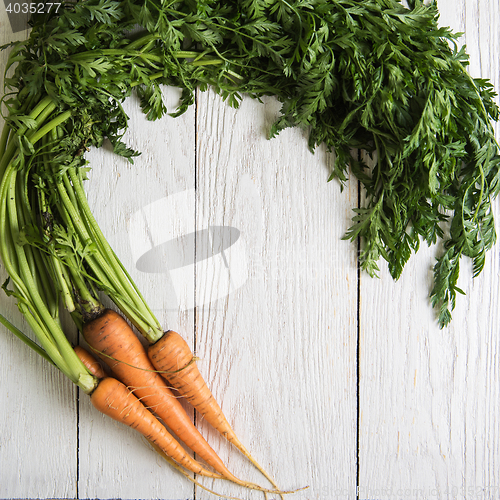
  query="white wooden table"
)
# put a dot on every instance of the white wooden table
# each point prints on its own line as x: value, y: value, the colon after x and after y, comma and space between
x: 333, y: 379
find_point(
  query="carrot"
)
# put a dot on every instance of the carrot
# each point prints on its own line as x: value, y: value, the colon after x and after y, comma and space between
x: 115, y: 400
x: 172, y: 357
x: 113, y: 340
x: 92, y: 365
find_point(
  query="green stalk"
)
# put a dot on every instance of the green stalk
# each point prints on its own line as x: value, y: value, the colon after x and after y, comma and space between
x: 96, y: 260
x: 143, y: 42
x: 89, y: 306
x: 94, y: 54
x: 46, y: 328
x: 4, y: 138
x: 7, y: 244
x: 22, y: 217
x: 154, y: 323
x: 104, y: 264
x: 25, y: 272
x: 152, y: 77
x: 40, y: 269
x: 47, y: 128
x: 64, y: 290
x: 50, y: 259
x: 22, y: 336
x: 7, y: 157
x: 155, y: 330
x: 207, y: 62
x: 65, y: 212
x: 44, y: 336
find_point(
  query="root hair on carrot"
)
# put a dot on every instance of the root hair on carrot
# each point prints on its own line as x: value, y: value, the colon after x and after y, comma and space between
x: 194, y: 359
x: 187, y: 475
x: 172, y: 355
x: 111, y: 334
x: 248, y: 485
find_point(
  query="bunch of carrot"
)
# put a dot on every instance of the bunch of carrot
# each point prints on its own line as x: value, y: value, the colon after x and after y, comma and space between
x: 64, y: 92
x: 140, y: 385
x: 39, y: 255
x: 57, y: 258
x: 137, y: 392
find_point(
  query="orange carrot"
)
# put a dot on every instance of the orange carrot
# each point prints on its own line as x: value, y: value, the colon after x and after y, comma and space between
x: 92, y: 365
x: 112, y: 398
x: 113, y: 340
x: 172, y: 357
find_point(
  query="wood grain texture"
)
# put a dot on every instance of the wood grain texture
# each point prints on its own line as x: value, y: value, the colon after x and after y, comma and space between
x: 116, y: 462
x: 286, y: 337
x: 235, y: 241
x: 429, y: 413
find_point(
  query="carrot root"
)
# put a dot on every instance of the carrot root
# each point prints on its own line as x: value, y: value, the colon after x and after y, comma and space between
x: 185, y: 474
x: 92, y: 365
x: 113, y: 398
x: 114, y: 341
x: 173, y: 358
x: 197, y: 483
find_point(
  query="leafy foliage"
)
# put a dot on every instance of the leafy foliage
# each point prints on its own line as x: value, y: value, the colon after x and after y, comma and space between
x: 371, y: 75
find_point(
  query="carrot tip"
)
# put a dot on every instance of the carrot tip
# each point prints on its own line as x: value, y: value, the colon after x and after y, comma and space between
x: 177, y: 467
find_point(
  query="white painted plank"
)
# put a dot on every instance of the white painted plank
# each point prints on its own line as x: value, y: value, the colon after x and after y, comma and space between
x: 38, y: 432
x: 133, y: 204
x: 429, y: 416
x: 278, y: 337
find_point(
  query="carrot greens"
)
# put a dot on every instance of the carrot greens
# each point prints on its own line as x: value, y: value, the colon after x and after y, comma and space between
x: 374, y: 75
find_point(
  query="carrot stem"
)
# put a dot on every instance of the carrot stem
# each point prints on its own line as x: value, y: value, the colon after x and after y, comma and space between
x: 21, y: 263
x: 4, y: 138
x: 105, y: 272
x: 153, y: 330
x: 22, y: 336
x: 73, y: 366
x: 12, y: 146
